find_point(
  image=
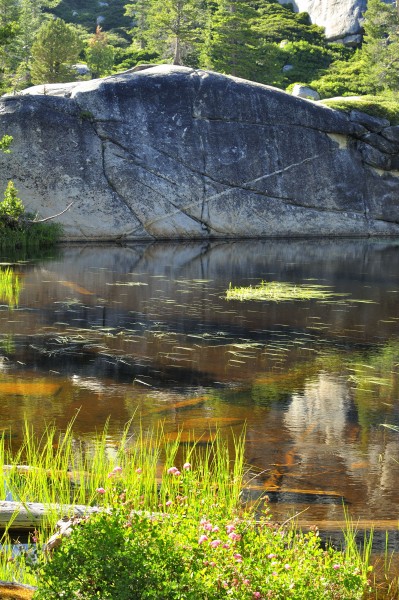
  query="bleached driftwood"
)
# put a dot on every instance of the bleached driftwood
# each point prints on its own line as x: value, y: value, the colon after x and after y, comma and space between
x: 30, y: 515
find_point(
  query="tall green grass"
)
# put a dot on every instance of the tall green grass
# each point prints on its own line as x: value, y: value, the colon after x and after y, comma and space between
x: 34, y: 237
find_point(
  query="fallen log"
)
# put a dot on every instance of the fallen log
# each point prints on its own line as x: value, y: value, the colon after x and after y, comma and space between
x: 31, y: 515
x: 16, y: 591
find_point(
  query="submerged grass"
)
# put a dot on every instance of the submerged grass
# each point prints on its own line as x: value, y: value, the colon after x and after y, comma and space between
x: 280, y: 291
x: 175, y: 525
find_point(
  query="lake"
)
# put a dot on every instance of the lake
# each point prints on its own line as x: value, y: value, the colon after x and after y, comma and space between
x: 144, y: 332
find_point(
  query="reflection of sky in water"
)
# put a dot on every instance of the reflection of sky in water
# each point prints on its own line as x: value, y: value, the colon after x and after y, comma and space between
x: 145, y: 332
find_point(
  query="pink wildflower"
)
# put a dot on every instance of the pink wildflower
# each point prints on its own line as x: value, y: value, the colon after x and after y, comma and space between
x: 139, y: 471
x: 226, y: 545
x: 287, y: 567
x: 187, y: 466
x: 215, y: 543
x: 238, y: 557
x: 112, y: 474
x: 208, y: 526
x: 234, y: 536
x: 271, y: 556
x: 246, y: 582
x: 336, y: 567
x: 172, y: 470
x: 202, y: 539
x: 168, y: 503
x: 230, y: 528
x: 117, y: 470
x: 257, y: 595
x: 177, y: 473
x: 215, y: 529
x: 100, y: 490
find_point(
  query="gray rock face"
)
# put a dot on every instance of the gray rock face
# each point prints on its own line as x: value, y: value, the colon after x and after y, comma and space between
x: 342, y: 19
x: 175, y: 153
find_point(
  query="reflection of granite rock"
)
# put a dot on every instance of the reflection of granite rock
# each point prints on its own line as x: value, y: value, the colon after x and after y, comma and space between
x: 171, y: 152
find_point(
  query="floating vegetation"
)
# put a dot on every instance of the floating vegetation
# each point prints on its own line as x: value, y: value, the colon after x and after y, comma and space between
x: 10, y: 287
x: 281, y: 291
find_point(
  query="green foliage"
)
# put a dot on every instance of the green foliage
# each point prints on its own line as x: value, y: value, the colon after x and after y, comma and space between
x: 56, y: 49
x: 378, y: 106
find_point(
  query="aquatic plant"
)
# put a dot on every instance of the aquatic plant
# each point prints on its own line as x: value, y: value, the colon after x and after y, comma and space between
x: 280, y: 291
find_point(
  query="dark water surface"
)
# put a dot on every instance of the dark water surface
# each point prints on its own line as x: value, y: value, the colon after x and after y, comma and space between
x: 139, y: 330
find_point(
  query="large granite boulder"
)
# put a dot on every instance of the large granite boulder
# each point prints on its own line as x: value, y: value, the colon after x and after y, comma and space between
x: 340, y: 18
x: 172, y: 152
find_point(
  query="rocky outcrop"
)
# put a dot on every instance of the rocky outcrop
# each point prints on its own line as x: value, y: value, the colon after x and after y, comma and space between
x: 172, y: 152
x: 342, y: 19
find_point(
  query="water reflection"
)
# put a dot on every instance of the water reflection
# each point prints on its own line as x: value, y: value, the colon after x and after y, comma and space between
x: 146, y: 331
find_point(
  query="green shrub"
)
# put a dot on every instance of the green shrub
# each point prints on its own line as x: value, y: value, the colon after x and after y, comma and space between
x: 12, y: 206
x: 197, y: 548
x: 343, y: 78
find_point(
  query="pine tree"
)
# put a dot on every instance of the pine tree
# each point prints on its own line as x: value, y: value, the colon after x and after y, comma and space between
x: 172, y: 28
x: 55, y: 50
x: 99, y: 54
x: 381, y: 46
x: 9, y: 15
x: 231, y: 44
x: 139, y: 10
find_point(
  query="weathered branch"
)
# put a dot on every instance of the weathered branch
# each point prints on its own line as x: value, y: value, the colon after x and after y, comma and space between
x: 52, y: 216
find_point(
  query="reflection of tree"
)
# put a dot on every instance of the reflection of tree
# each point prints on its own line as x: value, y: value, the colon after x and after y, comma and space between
x: 10, y: 287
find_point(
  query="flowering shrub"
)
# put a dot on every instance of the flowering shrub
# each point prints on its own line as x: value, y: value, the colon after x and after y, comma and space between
x: 196, y: 548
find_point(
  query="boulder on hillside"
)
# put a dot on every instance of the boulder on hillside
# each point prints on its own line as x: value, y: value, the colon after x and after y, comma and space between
x: 342, y: 19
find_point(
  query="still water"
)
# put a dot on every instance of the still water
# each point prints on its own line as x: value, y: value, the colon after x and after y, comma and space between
x: 145, y: 332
